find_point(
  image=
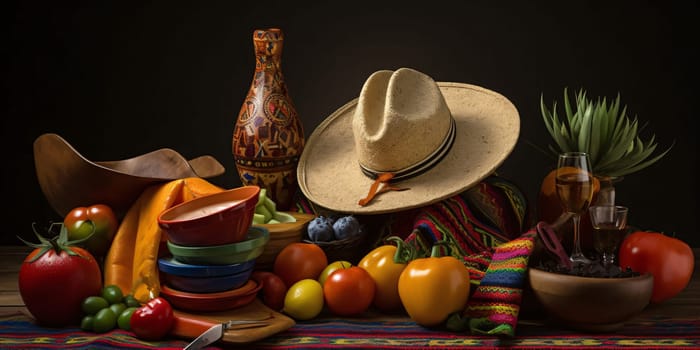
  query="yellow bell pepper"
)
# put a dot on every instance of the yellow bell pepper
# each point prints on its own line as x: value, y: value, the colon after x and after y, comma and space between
x: 385, y: 264
x: 433, y: 288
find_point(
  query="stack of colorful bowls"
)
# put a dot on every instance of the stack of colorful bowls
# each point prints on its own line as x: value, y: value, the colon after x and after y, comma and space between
x: 214, y: 250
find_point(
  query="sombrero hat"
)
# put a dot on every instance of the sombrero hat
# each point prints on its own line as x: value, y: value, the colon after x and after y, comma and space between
x: 433, y: 140
x: 70, y: 180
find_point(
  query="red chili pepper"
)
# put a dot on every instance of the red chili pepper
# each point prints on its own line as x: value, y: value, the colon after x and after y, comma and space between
x: 153, y: 320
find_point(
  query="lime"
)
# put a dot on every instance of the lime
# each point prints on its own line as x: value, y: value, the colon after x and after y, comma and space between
x: 87, y: 322
x: 118, y: 308
x: 105, y: 320
x: 113, y: 294
x: 124, y: 320
x: 304, y: 300
x: 92, y: 304
x: 130, y: 301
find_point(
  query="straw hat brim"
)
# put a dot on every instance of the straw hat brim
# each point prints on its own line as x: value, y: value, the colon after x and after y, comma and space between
x: 488, y: 127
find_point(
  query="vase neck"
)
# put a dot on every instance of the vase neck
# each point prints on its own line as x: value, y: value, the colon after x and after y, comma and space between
x: 609, y: 179
x: 606, y: 193
x: 268, y: 48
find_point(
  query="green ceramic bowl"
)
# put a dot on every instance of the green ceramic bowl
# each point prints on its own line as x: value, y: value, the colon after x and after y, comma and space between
x: 248, y: 249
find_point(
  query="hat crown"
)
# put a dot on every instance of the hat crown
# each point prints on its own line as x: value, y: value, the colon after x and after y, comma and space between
x: 401, y: 119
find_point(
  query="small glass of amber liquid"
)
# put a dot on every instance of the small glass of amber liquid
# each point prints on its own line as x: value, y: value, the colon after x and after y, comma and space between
x: 609, y: 228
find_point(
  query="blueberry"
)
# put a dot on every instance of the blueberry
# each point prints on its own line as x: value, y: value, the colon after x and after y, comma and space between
x: 346, y: 227
x: 320, y: 229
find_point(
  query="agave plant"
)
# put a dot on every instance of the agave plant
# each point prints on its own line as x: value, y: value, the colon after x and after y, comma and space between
x: 602, y: 130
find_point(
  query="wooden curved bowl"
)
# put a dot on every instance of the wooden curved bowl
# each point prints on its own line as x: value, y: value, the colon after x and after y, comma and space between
x: 69, y: 180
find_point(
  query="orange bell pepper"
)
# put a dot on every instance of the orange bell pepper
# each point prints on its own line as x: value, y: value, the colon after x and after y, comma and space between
x: 433, y: 288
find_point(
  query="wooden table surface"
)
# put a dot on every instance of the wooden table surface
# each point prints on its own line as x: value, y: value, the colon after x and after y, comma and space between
x: 685, y: 305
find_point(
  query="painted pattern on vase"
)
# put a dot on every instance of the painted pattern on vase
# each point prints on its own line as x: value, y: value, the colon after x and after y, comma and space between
x: 268, y: 137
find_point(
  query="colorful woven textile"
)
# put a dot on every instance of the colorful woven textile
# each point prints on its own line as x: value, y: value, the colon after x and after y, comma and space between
x: 494, y: 306
x: 379, y: 333
x: 487, y: 215
x: 26, y: 335
x: 402, y: 334
x: 482, y: 226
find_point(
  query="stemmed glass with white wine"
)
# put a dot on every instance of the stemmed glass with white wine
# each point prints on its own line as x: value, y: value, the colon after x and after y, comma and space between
x: 575, y: 190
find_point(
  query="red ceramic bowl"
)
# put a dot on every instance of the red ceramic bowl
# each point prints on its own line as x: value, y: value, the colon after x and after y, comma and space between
x: 205, y: 302
x: 215, y: 219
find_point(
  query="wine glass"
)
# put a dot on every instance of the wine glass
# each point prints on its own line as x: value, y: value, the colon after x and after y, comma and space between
x: 575, y: 190
x: 609, y: 229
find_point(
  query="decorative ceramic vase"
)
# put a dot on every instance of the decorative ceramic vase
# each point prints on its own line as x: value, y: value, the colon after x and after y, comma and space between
x: 268, y: 137
x: 606, y: 194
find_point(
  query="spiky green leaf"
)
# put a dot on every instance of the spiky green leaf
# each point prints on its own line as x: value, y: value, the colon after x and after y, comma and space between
x: 603, y: 130
x: 584, y: 134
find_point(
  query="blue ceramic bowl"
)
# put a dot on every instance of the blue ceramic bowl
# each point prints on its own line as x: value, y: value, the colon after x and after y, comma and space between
x: 173, y: 266
x: 208, y: 284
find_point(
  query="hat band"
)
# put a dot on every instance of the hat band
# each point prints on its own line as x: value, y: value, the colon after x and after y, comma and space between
x: 424, y: 165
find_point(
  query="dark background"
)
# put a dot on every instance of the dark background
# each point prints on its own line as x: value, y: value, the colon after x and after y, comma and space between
x: 119, y: 79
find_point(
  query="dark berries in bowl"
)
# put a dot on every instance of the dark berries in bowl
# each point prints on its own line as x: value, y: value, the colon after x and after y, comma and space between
x: 333, y: 228
x: 346, y: 227
x: 320, y: 229
x: 594, y: 269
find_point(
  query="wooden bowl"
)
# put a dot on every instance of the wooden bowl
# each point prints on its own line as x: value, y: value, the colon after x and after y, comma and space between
x: 68, y: 179
x: 281, y: 235
x: 591, y: 303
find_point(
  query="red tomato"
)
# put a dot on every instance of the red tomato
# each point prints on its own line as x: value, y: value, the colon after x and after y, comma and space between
x: 273, y: 289
x: 298, y: 261
x: 349, y: 291
x: 97, y: 220
x: 54, y: 284
x: 669, y: 259
x: 153, y: 320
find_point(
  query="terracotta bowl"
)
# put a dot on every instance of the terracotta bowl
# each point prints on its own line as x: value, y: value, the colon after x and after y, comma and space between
x: 281, y: 235
x: 215, y: 219
x: 205, y: 302
x: 588, y: 303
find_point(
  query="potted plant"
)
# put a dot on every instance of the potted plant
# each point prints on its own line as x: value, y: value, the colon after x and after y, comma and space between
x: 603, y: 130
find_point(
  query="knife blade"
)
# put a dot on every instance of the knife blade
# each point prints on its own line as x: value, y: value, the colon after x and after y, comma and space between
x: 210, y: 336
x: 216, y: 332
